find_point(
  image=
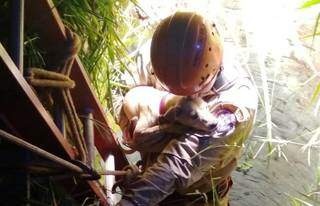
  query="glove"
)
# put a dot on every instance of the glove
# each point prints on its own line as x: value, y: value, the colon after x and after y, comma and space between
x: 226, y: 119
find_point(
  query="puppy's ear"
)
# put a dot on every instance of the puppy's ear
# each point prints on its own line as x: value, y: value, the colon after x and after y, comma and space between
x: 172, y: 114
x: 122, y: 119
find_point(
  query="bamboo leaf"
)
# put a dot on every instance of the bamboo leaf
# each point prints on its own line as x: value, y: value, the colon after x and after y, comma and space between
x: 312, y: 35
x: 310, y: 3
x: 315, y: 93
x: 315, y: 28
x: 298, y: 201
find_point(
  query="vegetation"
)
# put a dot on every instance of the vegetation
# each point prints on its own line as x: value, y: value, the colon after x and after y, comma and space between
x: 104, y: 55
x: 106, y: 60
x: 316, y: 32
x: 109, y: 35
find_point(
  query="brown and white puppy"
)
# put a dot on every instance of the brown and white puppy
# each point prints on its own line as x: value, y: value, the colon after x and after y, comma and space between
x: 149, y: 114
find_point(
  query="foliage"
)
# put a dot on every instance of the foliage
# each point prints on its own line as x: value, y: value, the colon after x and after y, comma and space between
x: 294, y: 201
x: 100, y: 26
x: 310, y: 3
x: 305, y: 5
x: 32, y: 54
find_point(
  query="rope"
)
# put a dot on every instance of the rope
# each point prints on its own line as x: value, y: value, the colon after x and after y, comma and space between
x: 74, y: 166
x: 49, y: 80
x: 44, y: 78
x: 129, y: 173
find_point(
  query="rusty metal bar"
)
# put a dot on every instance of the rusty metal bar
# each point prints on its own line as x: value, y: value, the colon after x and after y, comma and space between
x: 16, y: 32
x: 89, y: 136
x: 60, y: 120
x: 110, y: 180
x: 44, y: 12
x: 39, y: 151
x: 16, y: 53
x: 26, y: 102
x: 74, y: 124
x: 76, y: 169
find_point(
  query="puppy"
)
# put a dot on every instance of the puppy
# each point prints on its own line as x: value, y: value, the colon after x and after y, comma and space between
x: 148, y: 115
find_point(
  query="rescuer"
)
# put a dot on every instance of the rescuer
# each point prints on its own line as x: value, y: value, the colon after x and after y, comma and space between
x: 187, y: 59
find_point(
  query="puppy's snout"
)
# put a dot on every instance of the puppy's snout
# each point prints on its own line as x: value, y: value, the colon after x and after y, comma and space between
x: 212, y: 126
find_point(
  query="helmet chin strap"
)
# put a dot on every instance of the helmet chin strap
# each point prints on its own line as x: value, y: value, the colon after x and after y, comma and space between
x: 208, y: 89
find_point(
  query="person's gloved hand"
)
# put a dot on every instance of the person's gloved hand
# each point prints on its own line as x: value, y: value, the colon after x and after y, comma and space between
x: 226, y: 122
x: 226, y: 119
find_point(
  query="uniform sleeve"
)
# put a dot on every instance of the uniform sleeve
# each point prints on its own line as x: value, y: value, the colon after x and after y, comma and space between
x: 241, y: 100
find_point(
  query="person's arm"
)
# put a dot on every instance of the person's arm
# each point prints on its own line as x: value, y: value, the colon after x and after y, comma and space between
x: 152, y: 137
x: 241, y: 102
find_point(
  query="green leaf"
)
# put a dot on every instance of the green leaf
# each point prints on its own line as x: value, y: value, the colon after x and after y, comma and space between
x: 315, y: 28
x: 315, y: 93
x: 310, y: 3
x: 102, y: 25
x: 312, y: 35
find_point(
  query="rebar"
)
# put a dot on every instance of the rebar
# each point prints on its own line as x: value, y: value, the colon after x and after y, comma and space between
x: 66, y: 164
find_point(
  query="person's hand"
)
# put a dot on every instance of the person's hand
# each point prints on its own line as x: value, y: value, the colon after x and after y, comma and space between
x: 226, y: 119
x: 226, y: 122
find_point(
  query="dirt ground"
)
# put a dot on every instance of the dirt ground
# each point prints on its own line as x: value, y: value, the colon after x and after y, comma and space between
x: 272, y: 180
